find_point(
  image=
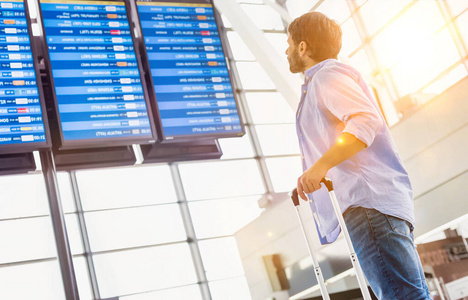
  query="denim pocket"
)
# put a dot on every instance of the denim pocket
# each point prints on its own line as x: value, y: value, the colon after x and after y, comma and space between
x: 399, y: 225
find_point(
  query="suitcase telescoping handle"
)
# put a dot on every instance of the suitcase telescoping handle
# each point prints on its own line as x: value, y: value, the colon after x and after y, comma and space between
x: 357, y: 267
x: 311, y: 245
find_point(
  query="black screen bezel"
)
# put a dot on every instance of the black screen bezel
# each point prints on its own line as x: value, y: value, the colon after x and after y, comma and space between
x: 34, y: 146
x: 150, y: 84
x: 101, y: 142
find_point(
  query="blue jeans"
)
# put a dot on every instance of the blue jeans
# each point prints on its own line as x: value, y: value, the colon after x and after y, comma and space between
x: 385, y: 248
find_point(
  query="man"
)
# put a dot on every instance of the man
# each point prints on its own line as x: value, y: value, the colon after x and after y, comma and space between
x: 342, y: 134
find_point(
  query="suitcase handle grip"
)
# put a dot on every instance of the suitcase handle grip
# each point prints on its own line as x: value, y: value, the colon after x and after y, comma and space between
x: 295, y: 197
x: 328, y: 183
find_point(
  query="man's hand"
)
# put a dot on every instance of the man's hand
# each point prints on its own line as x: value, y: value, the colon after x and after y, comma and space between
x: 346, y: 146
x: 309, y: 182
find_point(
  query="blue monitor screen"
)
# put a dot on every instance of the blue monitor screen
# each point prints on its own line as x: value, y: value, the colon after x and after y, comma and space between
x: 189, y: 72
x: 21, y: 115
x: 95, y: 71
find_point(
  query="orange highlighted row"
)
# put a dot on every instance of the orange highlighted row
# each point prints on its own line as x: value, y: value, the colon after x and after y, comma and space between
x: 112, y: 16
x: 212, y: 63
x: 201, y: 17
x: 122, y: 64
x: 8, y: 21
x: 19, y: 82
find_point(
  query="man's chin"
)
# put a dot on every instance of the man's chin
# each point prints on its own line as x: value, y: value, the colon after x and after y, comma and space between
x: 294, y: 70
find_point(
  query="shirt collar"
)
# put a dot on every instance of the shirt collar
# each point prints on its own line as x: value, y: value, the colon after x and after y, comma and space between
x: 309, y: 73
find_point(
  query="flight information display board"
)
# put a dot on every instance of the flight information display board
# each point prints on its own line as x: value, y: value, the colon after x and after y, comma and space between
x: 100, y: 97
x: 22, y: 123
x: 191, y: 80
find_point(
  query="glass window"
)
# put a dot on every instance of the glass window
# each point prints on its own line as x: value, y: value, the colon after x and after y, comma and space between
x: 263, y: 16
x: 237, y: 147
x: 284, y: 172
x: 74, y: 233
x: 239, y: 49
x: 223, y: 217
x: 386, y: 101
x: 297, y: 8
x: 32, y: 10
x: 191, y: 292
x: 82, y: 278
x: 32, y: 281
x: 26, y: 239
x: 456, y: 6
x: 37, y: 160
x: 447, y: 81
x: 462, y: 24
x: 36, y: 31
x: 375, y: 14
x: 230, y: 289
x: 279, y: 41
x: 278, y: 139
x: 336, y: 10
x: 253, y: 77
x: 23, y: 196
x: 359, y: 3
x: 221, y: 179
x: 351, y: 39
x: 226, y: 22
x: 66, y: 192
x: 409, y: 38
x: 426, y: 13
x: 221, y: 252
x: 360, y: 62
x: 433, y: 56
x: 134, y: 227
x: 267, y: 108
x: 136, y: 271
x: 125, y: 187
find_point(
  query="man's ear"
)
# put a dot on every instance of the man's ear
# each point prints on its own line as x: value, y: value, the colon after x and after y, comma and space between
x: 302, y: 48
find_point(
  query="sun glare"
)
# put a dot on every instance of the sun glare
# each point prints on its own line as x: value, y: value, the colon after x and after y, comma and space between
x: 416, y: 48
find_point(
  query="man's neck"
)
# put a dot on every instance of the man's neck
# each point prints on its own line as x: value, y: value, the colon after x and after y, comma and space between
x: 309, y: 64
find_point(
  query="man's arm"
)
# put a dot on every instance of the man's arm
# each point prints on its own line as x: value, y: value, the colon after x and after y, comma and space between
x: 346, y: 146
x: 345, y: 99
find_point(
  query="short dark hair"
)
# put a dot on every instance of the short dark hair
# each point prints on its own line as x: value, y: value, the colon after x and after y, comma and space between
x: 321, y: 34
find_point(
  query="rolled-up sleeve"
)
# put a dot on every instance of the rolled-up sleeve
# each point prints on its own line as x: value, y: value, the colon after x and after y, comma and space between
x: 344, y: 98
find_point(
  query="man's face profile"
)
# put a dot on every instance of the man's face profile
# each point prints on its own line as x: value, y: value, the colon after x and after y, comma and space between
x: 296, y: 63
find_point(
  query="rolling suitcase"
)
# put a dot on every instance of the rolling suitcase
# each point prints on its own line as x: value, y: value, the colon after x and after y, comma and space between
x: 310, y: 243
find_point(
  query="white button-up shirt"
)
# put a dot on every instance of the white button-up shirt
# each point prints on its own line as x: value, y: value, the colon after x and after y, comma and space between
x: 335, y: 99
